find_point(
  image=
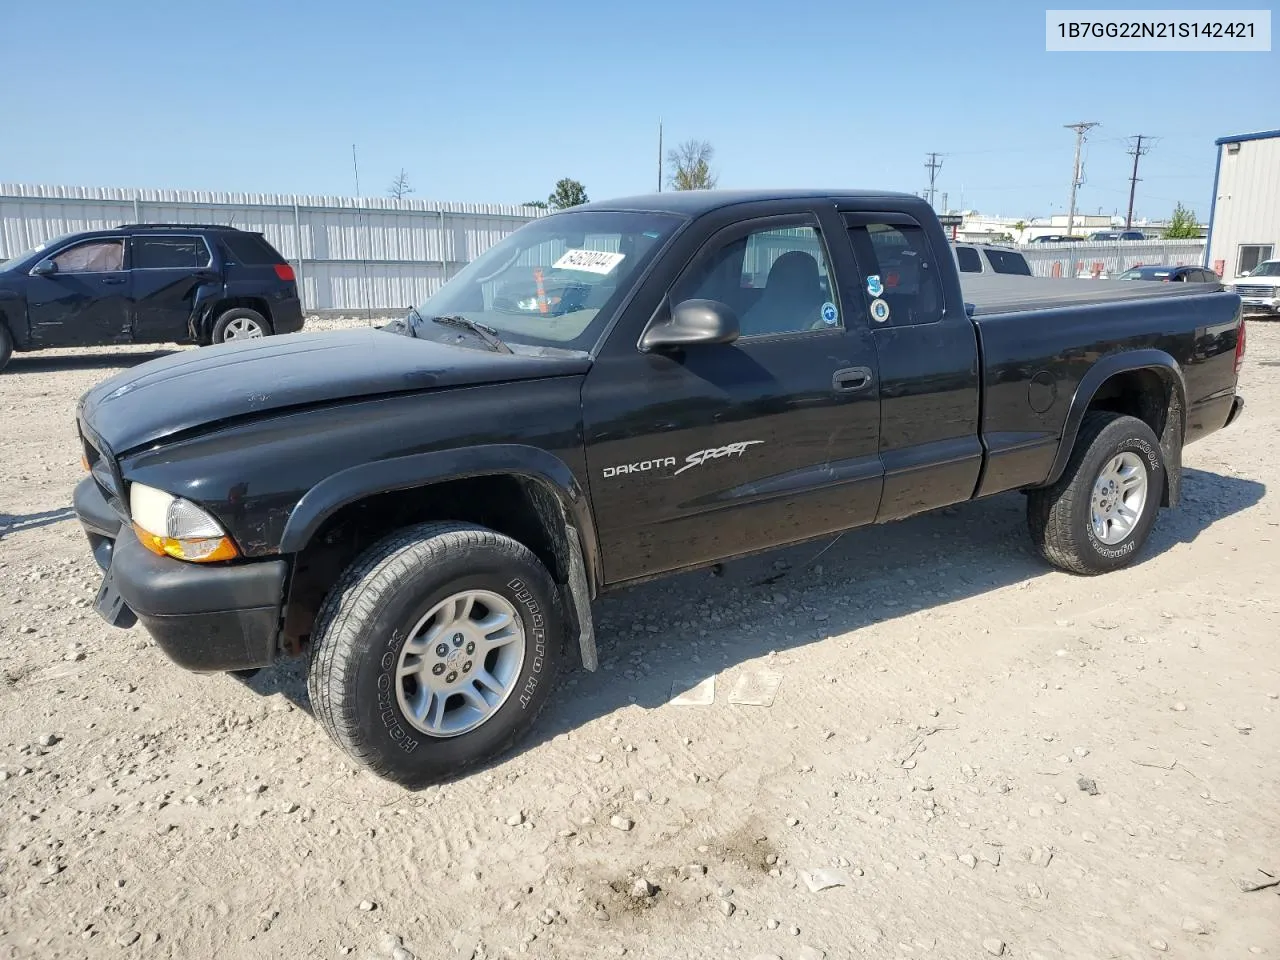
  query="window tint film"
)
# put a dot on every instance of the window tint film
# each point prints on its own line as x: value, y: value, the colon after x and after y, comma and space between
x: 154, y: 253
x: 1009, y: 261
x: 250, y: 249
x: 968, y: 259
x: 899, y: 275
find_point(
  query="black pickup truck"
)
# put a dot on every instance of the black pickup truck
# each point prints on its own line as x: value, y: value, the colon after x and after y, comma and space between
x: 613, y: 393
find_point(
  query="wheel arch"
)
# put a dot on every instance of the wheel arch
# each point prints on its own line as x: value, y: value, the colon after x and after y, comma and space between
x: 520, y: 491
x: 209, y: 307
x: 1146, y: 384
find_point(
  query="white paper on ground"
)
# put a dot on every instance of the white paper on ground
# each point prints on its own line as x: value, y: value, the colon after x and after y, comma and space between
x: 700, y: 694
x: 756, y: 689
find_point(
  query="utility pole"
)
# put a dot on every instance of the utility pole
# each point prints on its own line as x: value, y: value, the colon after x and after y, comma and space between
x: 1081, y: 129
x: 1137, y: 150
x: 945, y: 206
x: 659, y: 156
x: 933, y: 166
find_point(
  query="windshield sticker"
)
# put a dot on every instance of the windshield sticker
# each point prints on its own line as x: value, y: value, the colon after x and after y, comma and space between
x: 829, y: 314
x: 589, y: 261
x: 874, y: 286
x: 879, y: 310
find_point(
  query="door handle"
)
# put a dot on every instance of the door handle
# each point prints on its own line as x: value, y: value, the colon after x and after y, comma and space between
x: 112, y: 280
x: 851, y: 379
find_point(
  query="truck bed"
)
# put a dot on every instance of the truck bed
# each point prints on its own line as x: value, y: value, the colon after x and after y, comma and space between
x: 1006, y: 294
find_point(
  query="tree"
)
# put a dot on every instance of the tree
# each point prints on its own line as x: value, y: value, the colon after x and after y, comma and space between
x: 691, y: 166
x: 568, y: 193
x: 400, y: 186
x: 540, y: 204
x: 1182, y: 225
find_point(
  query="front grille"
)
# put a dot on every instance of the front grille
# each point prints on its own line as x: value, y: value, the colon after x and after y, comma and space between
x: 1248, y: 290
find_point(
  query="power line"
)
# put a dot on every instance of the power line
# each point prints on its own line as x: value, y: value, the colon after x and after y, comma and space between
x: 1137, y: 150
x: 1081, y: 129
x: 933, y: 166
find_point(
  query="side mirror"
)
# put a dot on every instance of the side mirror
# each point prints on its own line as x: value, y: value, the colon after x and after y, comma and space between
x: 693, y: 322
x: 45, y: 268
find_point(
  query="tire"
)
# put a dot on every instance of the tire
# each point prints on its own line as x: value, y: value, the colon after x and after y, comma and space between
x: 376, y: 609
x: 1061, y: 516
x: 240, y: 323
x: 6, y: 345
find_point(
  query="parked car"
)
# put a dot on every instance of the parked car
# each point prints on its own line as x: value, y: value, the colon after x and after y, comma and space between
x: 146, y: 283
x: 1056, y: 238
x: 1259, y: 289
x: 1102, y: 235
x: 990, y: 258
x: 1168, y: 274
x: 427, y: 511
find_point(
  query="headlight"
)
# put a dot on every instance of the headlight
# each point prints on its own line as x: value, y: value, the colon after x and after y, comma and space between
x: 170, y: 526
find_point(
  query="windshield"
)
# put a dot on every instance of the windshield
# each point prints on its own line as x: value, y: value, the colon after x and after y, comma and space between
x: 18, y: 258
x: 556, y: 281
x: 1270, y: 268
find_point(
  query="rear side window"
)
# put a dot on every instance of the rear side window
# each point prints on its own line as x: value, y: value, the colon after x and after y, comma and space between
x: 250, y: 249
x: 899, y: 275
x: 159, y: 253
x: 968, y: 259
x: 1008, y: 261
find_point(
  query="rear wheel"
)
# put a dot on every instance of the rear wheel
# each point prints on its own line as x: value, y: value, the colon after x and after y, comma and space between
x: 240, y: 323
x: 1101, y: 510
x: 435, y: 651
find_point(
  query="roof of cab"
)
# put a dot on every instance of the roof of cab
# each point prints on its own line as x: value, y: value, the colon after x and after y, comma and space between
x: 693, y: 203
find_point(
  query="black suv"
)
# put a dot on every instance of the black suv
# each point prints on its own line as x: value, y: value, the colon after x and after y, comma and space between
x: 149, y: 283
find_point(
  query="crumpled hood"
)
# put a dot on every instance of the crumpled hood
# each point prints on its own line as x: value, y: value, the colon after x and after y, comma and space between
x: 201, y: 387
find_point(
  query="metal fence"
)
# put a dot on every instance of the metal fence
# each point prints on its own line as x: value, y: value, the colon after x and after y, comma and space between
x: 351, y: 254
x: 1109, y: 258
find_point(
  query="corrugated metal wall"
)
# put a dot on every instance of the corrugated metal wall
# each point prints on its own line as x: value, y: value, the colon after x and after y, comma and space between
x: 1110, y: 258
x: 350, y: 254
x: 1246, y: 209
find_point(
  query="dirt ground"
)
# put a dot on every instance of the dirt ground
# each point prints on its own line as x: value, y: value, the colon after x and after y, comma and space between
x: 989, y: 757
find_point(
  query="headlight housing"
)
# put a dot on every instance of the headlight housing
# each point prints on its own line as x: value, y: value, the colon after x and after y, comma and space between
x: 173, y: 527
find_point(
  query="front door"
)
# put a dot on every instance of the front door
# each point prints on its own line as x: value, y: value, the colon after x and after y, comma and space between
x: 719, y: 450
x: 166, y: 271
x: 84, y: 302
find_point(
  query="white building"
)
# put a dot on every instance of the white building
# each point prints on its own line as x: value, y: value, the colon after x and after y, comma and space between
x: 1244, y: 225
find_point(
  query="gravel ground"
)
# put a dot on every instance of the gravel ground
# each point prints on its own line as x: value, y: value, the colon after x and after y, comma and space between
x: 953, y: 751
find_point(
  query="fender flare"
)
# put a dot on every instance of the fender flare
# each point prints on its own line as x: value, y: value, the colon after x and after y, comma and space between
x: 422, y: 469
x: 206, y: 298
x: 1158, y: 362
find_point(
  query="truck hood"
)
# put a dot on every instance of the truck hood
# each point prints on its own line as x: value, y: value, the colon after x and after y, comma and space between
x: 198, y: 388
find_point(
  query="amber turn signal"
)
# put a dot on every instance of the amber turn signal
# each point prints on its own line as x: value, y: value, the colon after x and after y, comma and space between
x: 193, y: 550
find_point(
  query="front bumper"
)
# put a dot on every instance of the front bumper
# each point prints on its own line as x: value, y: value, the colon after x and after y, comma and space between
x: 205, y: 618
x: 1260, y: 305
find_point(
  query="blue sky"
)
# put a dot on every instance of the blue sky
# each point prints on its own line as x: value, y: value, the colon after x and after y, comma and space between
x: 494, y: 100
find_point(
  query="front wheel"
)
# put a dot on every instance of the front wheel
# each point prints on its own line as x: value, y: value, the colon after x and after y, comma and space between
x: 6, y: 345
x: 435, y: 651
x: 1101, y: 510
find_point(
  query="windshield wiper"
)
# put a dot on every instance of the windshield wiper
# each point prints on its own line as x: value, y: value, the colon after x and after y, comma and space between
x: 485, y: 333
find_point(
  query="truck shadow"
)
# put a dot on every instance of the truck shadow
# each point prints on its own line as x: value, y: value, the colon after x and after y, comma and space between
x: 663, y: 637
x: 87, y: 360
x: 12, y: 523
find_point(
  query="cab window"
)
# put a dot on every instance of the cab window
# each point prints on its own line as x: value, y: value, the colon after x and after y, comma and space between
x: 776, y: 279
